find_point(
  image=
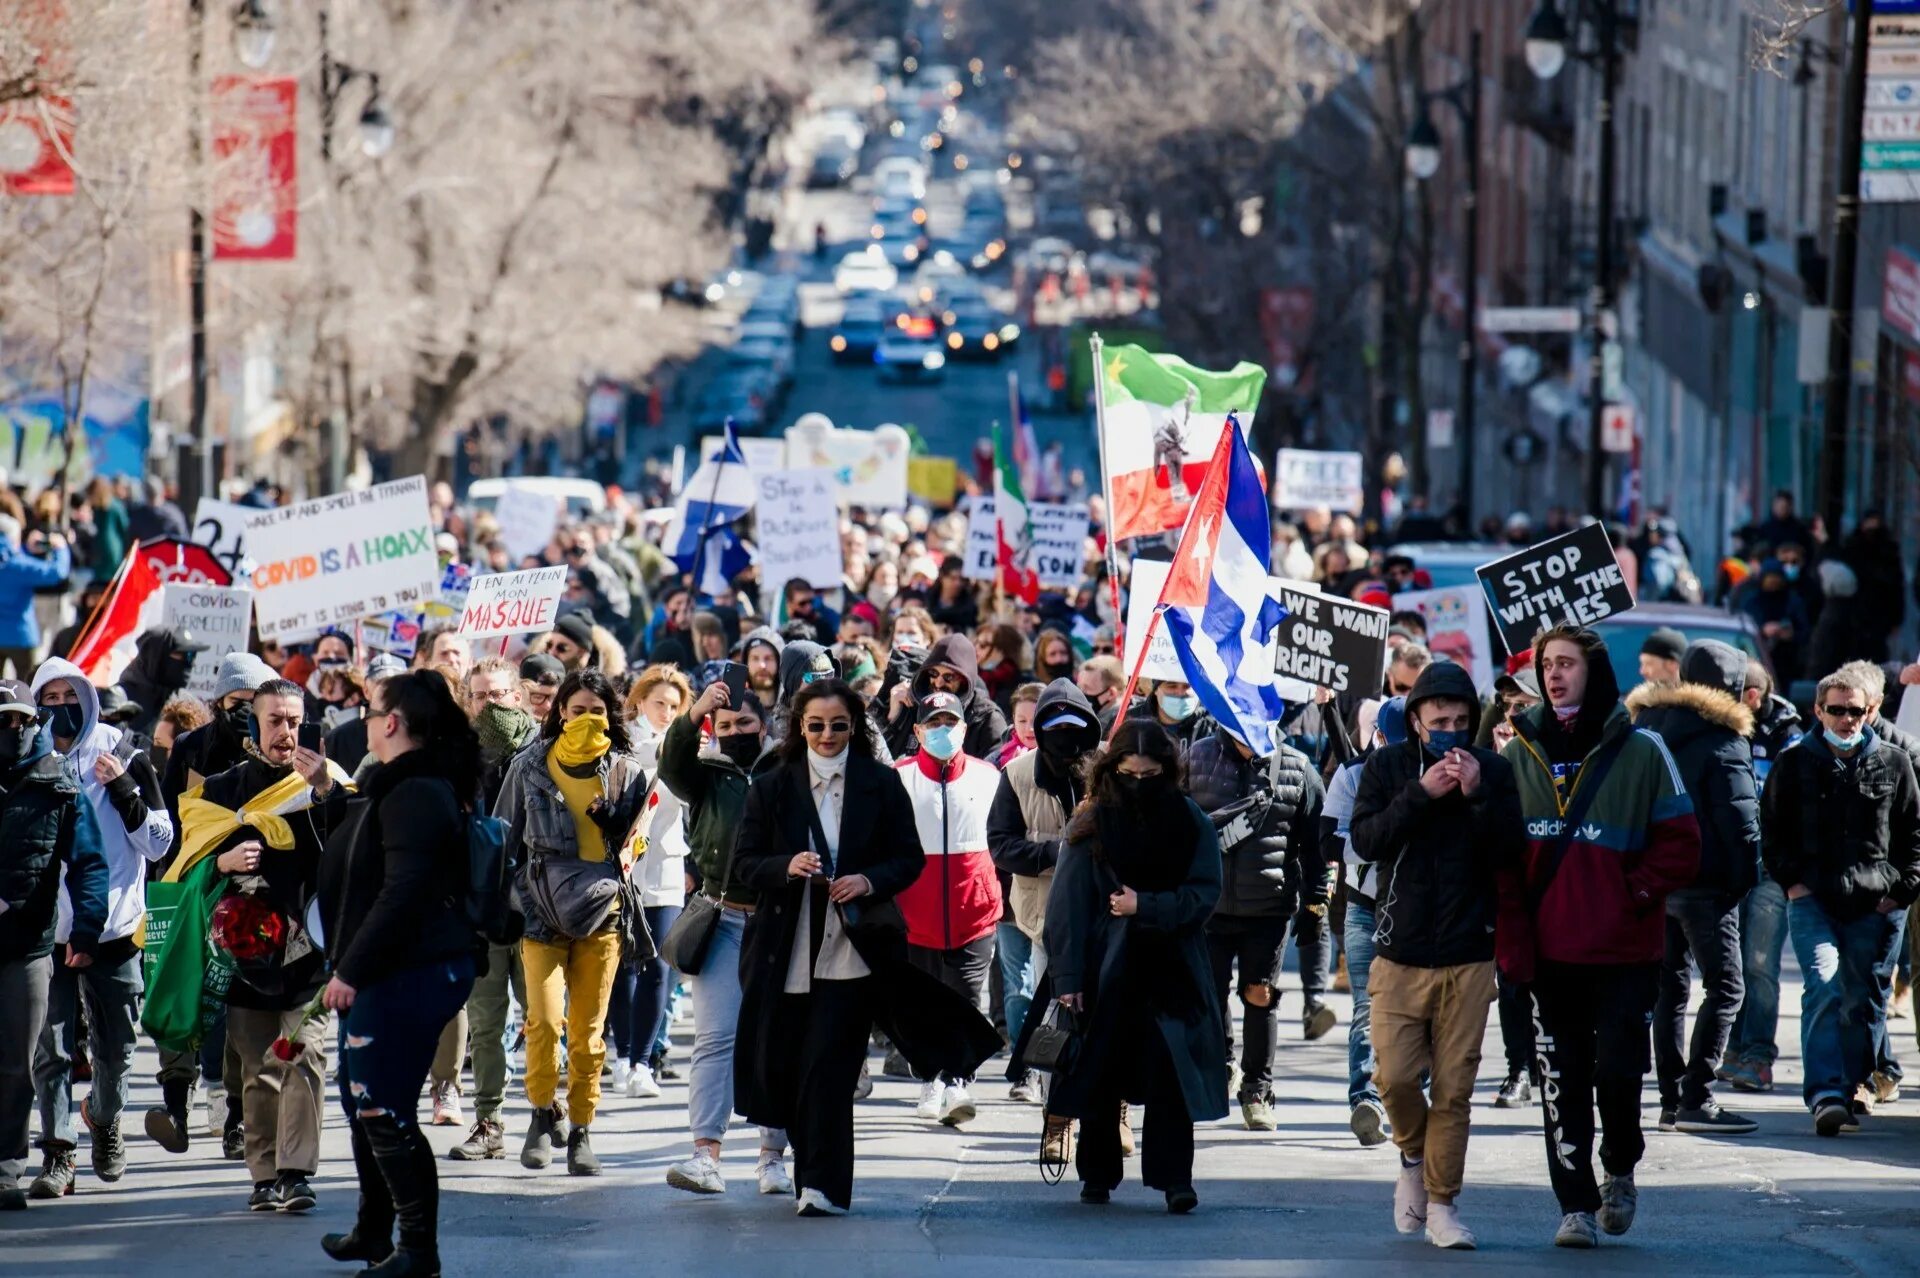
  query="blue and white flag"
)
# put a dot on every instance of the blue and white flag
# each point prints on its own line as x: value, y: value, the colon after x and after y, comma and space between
x: 1222, y: 559
x: 700, y: 537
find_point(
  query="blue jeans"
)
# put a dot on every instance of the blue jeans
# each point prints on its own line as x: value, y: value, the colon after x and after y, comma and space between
x: 1763, y: 930
x: 389, y: 1035
x: 1883, y: 1058
x: 1359, y: 942
x: 1843, y: 1009
x: 1021, y: 962
x: 716, y: 1017
x: 639, y: 1006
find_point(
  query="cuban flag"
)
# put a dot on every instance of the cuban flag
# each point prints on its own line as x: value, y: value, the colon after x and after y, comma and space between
x: 700, y: 537
x: 1221, y: 561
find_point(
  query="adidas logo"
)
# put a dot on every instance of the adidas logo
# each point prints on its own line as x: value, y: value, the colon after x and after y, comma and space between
x: 1589, y: 832
x: 1546, y: 828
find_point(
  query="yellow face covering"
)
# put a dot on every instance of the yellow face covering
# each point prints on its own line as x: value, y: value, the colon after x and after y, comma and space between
x: 582, y: 741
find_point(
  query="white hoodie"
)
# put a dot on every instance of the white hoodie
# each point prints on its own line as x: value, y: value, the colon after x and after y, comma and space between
x: 127, y: 851
x: 662, y: 872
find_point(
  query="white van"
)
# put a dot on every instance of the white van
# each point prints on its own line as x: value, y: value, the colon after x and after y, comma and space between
x: 900, y: 177
x: 583, y: 496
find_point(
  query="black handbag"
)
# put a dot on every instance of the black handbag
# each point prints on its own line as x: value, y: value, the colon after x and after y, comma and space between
x: 1054, y: 1045
x: 686, y: 943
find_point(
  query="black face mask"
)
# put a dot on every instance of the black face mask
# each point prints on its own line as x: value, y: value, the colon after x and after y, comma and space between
x: 239, y: 717
x: 17, y: 743
x: 176, y: 670
x: 1140, y: 789
x: 1063, y: 749
x: 741, y: 747
x: 158, y: 758
x: 67, y: 720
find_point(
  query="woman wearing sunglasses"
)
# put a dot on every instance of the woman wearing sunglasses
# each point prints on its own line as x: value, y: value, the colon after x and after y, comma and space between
x: 827, y: 841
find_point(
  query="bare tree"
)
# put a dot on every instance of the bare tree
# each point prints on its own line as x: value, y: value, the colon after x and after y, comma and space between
x: 1782, y: 25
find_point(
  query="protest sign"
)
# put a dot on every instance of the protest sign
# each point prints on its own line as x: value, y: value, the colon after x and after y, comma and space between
x: 1303, y: 480
x: 1149, y: 575
x: 512, y: 603
x: 870, y: 466
x: 217, y: 616
x: 527, y: 519
x: 337, y: 559
x: 1570, y: 578
x: 394, y: 632
x: 1456, y: 628
x: 934, y: 480
x: 1331, y: 643
x: 221, y: 526
x: 762, y: 454
x: 1059, y: 533
x: 798, y: 517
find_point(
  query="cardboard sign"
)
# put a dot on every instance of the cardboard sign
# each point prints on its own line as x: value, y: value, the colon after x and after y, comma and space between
x: 394, y: 632
x: 1456, y: 628
x: 1570, y: 578
x: 798, y: 516
x: 512, y: 603
x: 527, y: 520
x: 218, y: 616
x: 1059, y: 542
x: 221, y: 526
x: 1332, y: 643
x: 1305, y: 480
x: 870, y: 466
x: 334, y: 560
x: 1149, y: 575
x: 934, y: 480
x: 762, y: 454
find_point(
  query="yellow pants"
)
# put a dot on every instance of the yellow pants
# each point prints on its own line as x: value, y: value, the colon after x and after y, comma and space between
x: 573, y: 979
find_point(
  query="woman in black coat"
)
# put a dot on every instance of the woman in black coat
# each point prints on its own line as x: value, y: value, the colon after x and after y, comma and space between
x: 1127, y: 951
x: 827, y: 841
x: 393, y: 885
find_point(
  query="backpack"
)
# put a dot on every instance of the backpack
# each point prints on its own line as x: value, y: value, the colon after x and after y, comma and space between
x: 489, y: 904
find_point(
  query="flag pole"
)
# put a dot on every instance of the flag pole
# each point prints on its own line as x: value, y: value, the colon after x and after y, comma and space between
x: 706, y: 528
x: 999, y: 570
x: 1096, y: 350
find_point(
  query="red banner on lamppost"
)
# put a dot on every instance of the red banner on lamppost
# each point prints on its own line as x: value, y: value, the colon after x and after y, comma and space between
x: 36, y: 147
x: 255, y: 195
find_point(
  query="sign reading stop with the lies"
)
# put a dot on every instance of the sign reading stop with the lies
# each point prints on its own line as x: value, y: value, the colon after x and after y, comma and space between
x: 513, y: 603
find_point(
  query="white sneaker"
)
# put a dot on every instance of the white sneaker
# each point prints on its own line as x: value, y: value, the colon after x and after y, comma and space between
x: 1410, y: 1198
x: 1445, y: 1230
x: 863, y: 1085
x: 698, y: 1175
x: 772, y: 1174
x: 216, y: 1110
x: 814, y: 1203
x: 932, y: 1100
x: 641, y: 1082
x: 1577, y: 1230
x: 446, y: 1106
x: 619, y: 1073
x: 956, y: 1106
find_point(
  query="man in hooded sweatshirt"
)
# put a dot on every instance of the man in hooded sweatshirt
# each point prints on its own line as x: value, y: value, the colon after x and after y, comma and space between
x: 124, y: 792
x: 1440, y: 817
x: 162, y: 665
x: 760, y: 653
x: 1705, y: 727
x: 1610, y: 832
x: 952, y: 666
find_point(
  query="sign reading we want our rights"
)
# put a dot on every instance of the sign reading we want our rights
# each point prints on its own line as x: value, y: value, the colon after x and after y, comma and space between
x: 334, y: 560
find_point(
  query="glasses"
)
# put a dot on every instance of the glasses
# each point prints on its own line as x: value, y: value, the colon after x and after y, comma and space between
x: 574, y: 552
x: 1103, y: 650
x: 837, y: 728
x: 1844, y: 712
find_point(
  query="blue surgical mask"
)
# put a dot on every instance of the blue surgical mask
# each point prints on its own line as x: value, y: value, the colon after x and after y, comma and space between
x: 1792, y: 571
x: 1439, y: 742
x: 1178, y: 708
x: 1839, y: 742
x: 942, y: 742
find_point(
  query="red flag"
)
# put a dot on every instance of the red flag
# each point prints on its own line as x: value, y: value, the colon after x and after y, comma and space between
x: 1191, y: 577
x: 134, y: 600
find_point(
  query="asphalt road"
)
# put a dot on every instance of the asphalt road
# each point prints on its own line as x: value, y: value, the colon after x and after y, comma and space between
x: 928, y: 1200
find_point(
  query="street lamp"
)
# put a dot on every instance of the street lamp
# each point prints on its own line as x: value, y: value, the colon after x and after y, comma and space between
x: 1423, y: 161
x: 1550, y: 41
x: 376, y: 126
x: 253, y: 33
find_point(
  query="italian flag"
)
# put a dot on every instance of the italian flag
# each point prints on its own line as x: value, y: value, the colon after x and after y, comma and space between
x: 1012, y: 535
x: 1163, y: 419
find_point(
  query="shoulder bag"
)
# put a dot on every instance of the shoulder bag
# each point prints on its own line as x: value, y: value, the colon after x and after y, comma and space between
x: 685, y: 945
x: 864, y: 917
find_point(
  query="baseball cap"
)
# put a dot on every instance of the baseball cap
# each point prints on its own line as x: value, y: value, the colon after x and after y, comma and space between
x: 935, y: 704
x: 384, y: 666
x: 16, y: 698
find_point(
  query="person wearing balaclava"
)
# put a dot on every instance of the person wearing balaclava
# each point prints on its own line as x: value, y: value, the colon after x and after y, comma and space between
x: 124, y: 791
x: 162, y: 665
x: 222, y: 744
x: 574, y: 799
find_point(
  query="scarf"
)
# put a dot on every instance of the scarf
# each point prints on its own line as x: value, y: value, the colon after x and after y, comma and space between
x: 503, y: 730
x: 582, y: 741
x: 204, y: 824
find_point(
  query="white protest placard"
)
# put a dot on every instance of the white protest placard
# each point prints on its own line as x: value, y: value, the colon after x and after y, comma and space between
x: 334, y: 560
x: 527, y: 520
x: 1059, y: 542
x: 1305, y: 480
x: 512, y: 603
x: 762, y: 454
x: 798, y: 517
x: 1456, y: 628
x: 1149, y: 575
x: 1908, y: 720
x: 870, y: 466
x: 221, y: 526
x: 217, y: 616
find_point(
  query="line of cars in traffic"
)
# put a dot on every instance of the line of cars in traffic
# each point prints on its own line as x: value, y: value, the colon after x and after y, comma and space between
x: 757, y: 368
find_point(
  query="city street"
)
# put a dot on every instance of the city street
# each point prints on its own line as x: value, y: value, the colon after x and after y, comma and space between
x: 1303, y: 1200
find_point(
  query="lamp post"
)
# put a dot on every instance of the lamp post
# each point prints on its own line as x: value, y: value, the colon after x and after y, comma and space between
x: 376, y: 126
x: 1423, y: 161
x: 1549, y: 41
x: 1838, y: 401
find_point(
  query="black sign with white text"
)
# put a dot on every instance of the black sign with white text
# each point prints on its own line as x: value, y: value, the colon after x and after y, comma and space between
x: 1570, y: 578
x: 1331, y: 643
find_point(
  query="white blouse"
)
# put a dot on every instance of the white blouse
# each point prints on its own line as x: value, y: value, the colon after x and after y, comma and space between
x: 838, y: 960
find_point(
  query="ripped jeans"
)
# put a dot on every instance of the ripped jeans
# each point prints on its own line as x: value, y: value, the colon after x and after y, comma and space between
x: 389, y: 1035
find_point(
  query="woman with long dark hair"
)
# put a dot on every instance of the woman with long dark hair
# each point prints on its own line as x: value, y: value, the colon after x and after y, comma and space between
x: 827, y: 841
x: 393, y: 883
x: 1127, y: 953
x: 570, y: 800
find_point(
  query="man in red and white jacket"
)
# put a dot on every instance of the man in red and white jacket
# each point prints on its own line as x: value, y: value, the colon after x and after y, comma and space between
x: 952, y: 908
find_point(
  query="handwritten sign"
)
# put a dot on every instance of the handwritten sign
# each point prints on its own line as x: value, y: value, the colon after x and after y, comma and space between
x: 1059, y: 542
x: 1305, y: 480
x: 217, y: 616
x: 1332, y: 643
x: 512, y: 603
x: 221, y: 526
x: 1570, y: 578
x: 870, y: 466
x: 527, y: 520
x: 798, y: 513
x: 337, y: 559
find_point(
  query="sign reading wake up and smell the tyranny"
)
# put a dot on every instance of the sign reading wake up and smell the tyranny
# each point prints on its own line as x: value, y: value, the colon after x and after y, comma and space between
x: 333, y: 560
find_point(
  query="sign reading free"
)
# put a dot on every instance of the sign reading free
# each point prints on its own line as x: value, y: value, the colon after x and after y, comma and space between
x: 340, y: 558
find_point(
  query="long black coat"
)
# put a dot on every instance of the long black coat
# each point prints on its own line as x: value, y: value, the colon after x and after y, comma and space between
x: 934, y: 1027
x: 1087, y: 955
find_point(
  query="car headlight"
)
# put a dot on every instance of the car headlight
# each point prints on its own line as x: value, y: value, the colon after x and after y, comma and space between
x: 995, y: 249
x: 955, y: 340
x: 933, y: 359
x: 912, y: 253
x: 960, y: 164
x: 1009, y: 332
x: 876, y: 230
x: 715, y: 292
x: 990, y: 342
x: 920, y: 217
x: 947, y: 319
x: 838, y: 343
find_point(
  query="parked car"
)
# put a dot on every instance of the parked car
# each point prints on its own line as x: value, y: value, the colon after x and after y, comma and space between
x: 584, y: 497
x: 1626, y: 631
x: 902, y: 357
x: 1451, y: 563
x: 743, y: 392
x: 867, y: 269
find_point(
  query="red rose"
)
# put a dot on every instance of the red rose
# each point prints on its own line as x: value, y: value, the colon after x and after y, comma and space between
x: 285, y: 1049
x: 248, y: 928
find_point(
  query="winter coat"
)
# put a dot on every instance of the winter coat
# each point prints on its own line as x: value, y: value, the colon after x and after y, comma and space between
x: 1263, y: 876
x: 936, y: 1028
x: 393, y: 878
x: 1440, y: 859
x: 537, y: 816
x: 662, y: 867
x: 1087, y: 955
x: 1027, y: 825
x: 1775, y: 727
x: 1850, y: 833
x: 47, y: 831
x: 21, y: 575
x: 207, y: 751
x: 986, y: 726
x: 956, y: 899
x: 1705, y: 732
x: 157, y: 672
x: 714, y: 788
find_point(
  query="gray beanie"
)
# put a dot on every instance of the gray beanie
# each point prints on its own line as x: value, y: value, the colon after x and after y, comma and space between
x: 241, y: 672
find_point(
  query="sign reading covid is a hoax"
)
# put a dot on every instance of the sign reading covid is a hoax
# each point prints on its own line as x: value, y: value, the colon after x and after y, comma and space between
x: 335, y: 560
x: 1331, y: 643
x: 1573, y: 578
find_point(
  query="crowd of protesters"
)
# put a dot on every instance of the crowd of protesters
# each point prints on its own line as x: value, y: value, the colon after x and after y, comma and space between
x: 901, y: 810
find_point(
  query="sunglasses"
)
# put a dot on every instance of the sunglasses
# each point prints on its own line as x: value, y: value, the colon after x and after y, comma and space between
x: 838, y: 728
x: 1103, y: 650
x: 1844, y: 712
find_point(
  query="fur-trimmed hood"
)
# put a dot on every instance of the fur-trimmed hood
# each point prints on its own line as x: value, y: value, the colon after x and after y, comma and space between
x: 1649, y: 703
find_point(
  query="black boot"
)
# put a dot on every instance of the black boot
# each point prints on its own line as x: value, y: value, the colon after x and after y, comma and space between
x: 406, y: 1164
x: 371, y: 1238
x: 167, y: 1122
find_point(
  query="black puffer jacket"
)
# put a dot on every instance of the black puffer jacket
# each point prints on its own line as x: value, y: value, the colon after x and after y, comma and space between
x: 1776, y: 725
x: 1261, y: 875
x: 1846, y: 829
x: 1438, y: 858
x: 1705, y: 731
